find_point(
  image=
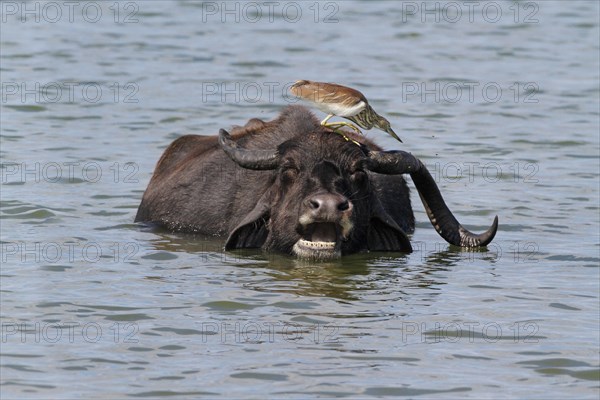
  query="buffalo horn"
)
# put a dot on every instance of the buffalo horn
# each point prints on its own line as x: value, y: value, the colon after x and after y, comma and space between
x: 442, y: 219
x: 250, y: 159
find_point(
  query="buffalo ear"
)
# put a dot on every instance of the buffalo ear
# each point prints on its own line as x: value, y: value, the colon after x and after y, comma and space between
x: 384, y: 233
x: 251, y: 235
x: 252, y: 231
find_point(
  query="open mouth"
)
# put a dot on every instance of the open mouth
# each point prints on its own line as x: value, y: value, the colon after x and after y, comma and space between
x: 320, y: 241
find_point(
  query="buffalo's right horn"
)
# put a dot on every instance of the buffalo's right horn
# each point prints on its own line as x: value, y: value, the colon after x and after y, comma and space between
x: 250, y: 159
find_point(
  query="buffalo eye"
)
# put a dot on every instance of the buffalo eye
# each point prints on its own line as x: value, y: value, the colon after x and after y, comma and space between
x: 358, y: 177
x: 289, y: 174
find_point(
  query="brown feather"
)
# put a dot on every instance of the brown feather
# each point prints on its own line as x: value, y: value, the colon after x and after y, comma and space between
x: 322, y: 92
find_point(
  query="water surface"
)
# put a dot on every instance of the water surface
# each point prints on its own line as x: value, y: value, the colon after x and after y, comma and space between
x: 502, y: 108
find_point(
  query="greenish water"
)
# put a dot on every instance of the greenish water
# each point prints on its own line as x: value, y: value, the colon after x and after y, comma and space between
x: 502, y: 107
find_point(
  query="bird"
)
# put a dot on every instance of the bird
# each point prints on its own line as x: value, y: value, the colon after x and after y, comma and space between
x: 334, y: 99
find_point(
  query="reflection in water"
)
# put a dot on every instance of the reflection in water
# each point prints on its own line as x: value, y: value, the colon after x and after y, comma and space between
x: 455, y: 255
x: 350, y: 278
x: 184, y: 242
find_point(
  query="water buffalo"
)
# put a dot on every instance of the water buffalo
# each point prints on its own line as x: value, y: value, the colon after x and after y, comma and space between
x: 293, y: 186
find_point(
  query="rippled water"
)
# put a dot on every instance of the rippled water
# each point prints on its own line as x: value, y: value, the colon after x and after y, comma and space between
x: 503, y: 108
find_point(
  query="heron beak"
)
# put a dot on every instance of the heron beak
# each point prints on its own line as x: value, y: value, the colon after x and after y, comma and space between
x: 393, y: 134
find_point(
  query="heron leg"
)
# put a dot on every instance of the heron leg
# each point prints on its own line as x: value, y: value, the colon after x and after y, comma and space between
x: 339, y: 132
x: 348, y: 139
x: 337, y: 125
x: 324, y: 122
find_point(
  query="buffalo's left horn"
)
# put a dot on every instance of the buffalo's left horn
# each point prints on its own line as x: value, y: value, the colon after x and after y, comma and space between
x: 442, y: 219
x: 250, y: 159
x: 393, y: 162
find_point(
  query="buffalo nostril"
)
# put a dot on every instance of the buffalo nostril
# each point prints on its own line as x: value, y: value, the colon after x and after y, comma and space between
x: 344, y: 205
x: 328, y: 205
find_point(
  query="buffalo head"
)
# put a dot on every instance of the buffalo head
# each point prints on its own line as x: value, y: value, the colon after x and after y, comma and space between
x: 328, y: 197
